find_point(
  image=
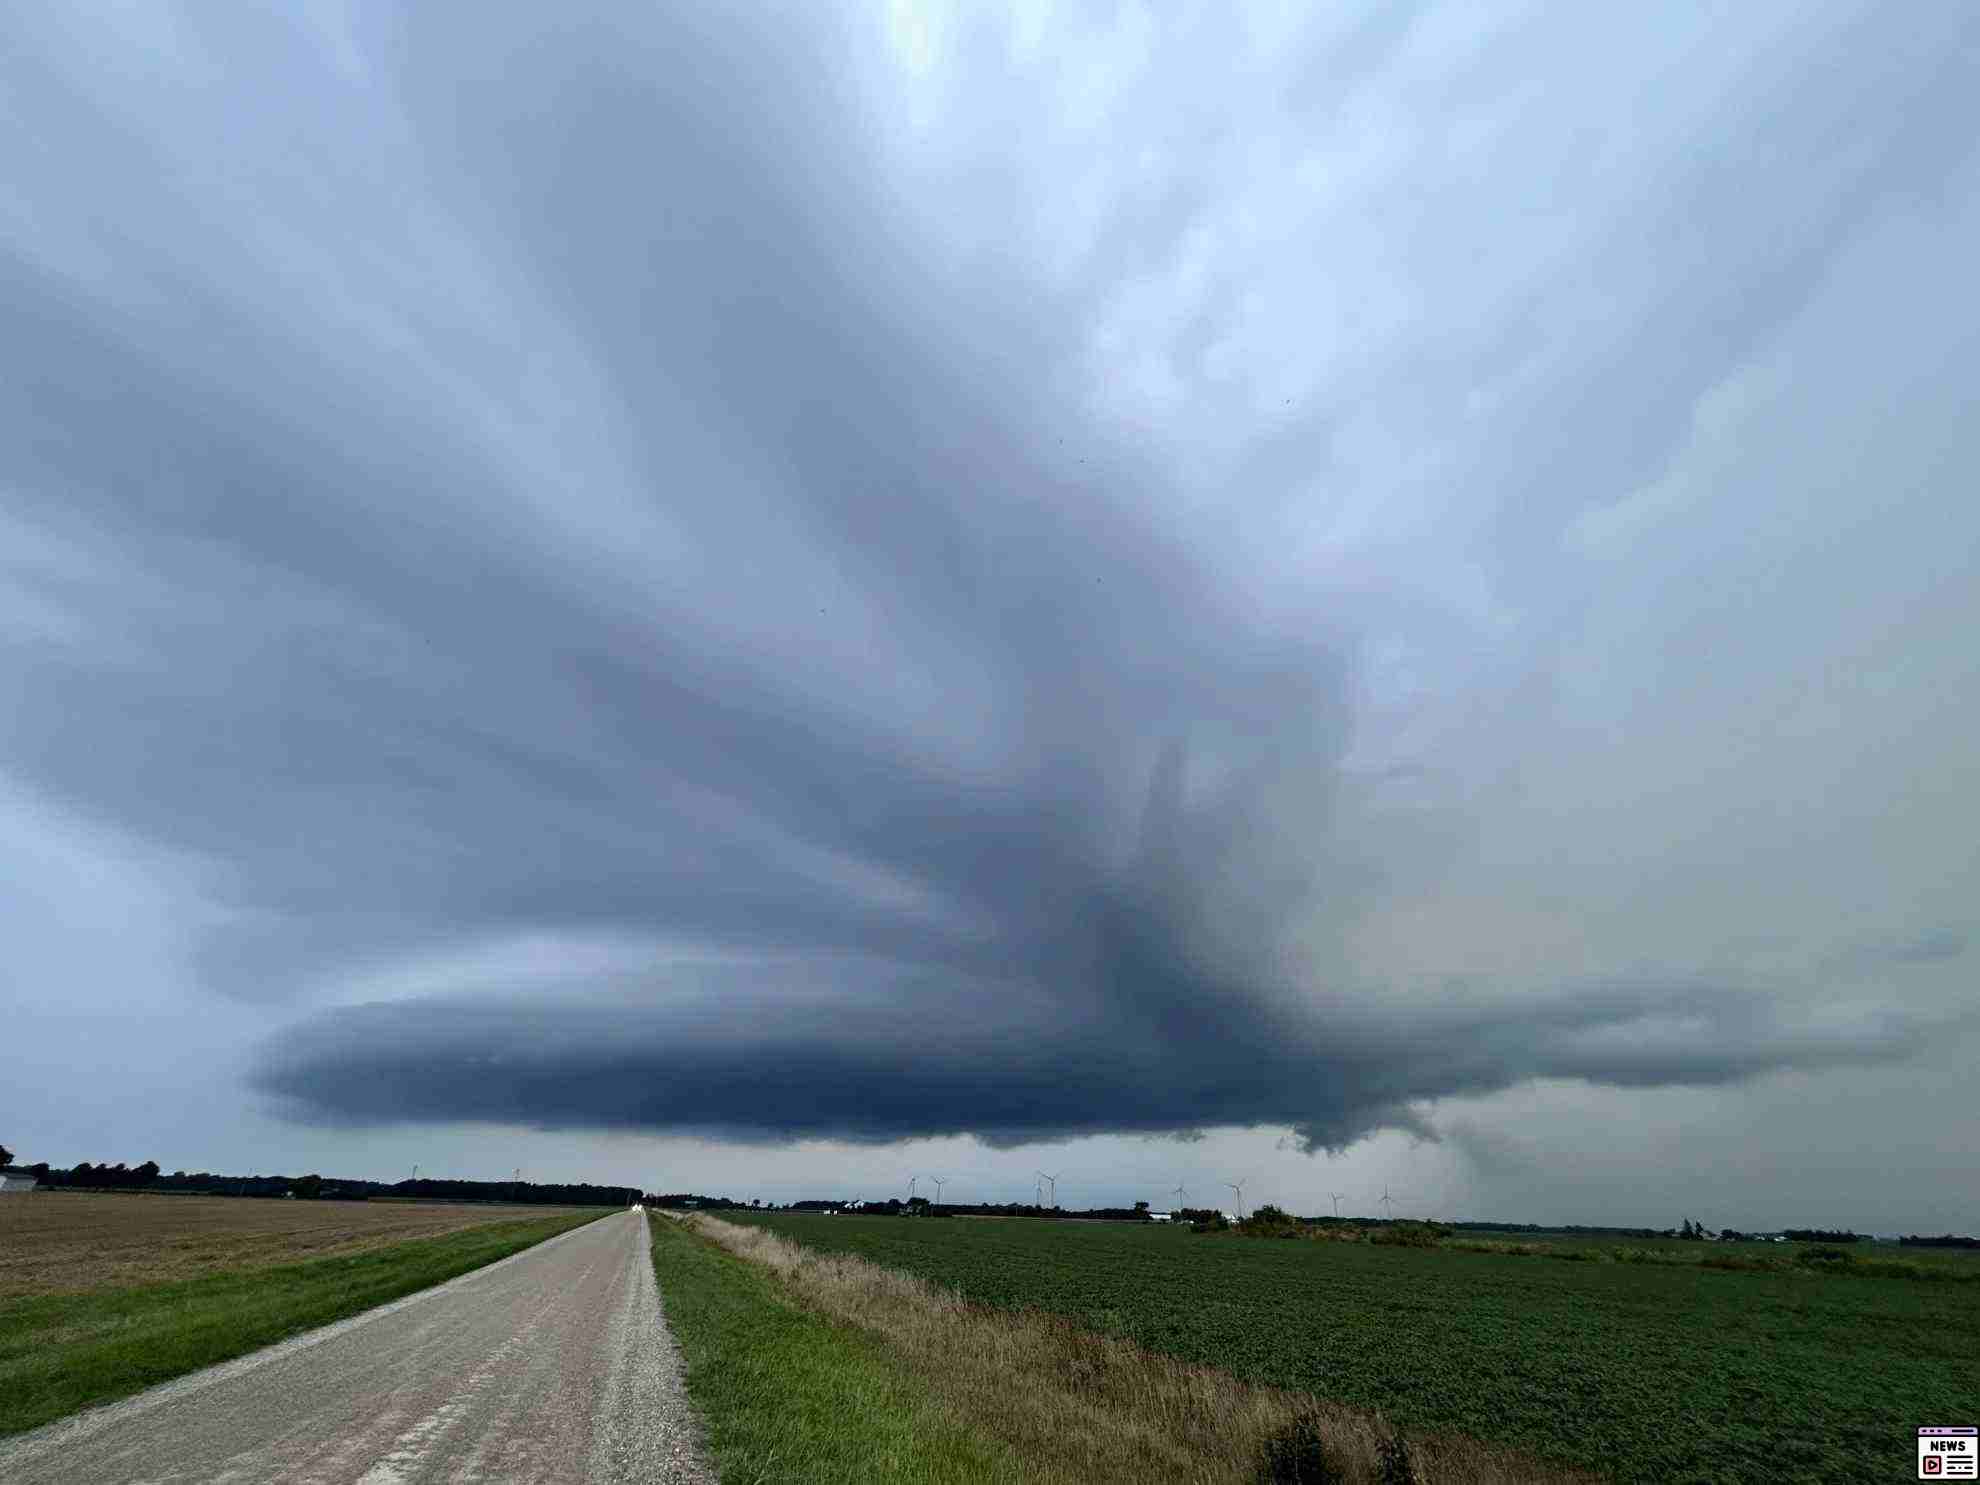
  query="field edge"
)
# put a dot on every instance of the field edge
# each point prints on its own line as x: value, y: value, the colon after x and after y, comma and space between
x: 786, y: 1393
x: 1076, y: 1406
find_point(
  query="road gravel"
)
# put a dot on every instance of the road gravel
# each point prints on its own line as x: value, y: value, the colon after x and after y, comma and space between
x: 552, y: 1365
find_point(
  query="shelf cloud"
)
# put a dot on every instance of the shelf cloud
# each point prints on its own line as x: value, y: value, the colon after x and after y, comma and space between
x: 674, y: 574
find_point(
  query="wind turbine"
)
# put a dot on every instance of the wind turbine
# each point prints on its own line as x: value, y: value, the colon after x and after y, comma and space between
x: 1053, y: 1182
x: 911, y: 1181
x: 1388, y: 1204
x: 1238, y: 1187
x: 1337, y: 1195
x: 1038, y: 1193
x: 1181, y: 1194
x: 940, y: 1182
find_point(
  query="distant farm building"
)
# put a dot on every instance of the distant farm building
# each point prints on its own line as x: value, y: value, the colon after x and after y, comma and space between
x: 1159, y: 1216
x: 12, y: 1180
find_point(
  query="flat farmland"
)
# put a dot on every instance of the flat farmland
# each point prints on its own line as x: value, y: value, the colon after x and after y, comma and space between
x: 105, y: 1295
x: 1948, y: 1264
x: 1638, y: 1371
x: 72, y: 1242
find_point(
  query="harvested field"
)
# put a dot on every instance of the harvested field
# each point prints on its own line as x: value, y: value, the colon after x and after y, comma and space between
x: 71, y: 1242
x: 60, y: 1351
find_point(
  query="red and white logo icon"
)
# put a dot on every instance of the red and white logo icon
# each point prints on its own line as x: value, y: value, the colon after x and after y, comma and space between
x: 1949, y: 1453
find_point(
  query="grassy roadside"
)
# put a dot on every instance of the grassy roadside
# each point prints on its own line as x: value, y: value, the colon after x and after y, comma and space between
x: 792, y: 1397
x: 62, y: 1352
x: 1064, y: 1403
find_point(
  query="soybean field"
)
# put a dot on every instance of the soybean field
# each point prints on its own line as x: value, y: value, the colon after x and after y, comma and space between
x: 1640, y: 1372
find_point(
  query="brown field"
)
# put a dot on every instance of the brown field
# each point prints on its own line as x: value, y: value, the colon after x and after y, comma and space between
x: 64, y: 1242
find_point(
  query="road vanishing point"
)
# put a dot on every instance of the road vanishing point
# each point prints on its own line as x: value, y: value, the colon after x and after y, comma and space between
x: 551, y: 1365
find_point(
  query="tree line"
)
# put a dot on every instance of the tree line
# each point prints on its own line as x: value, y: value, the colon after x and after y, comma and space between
x: 88, y: 1176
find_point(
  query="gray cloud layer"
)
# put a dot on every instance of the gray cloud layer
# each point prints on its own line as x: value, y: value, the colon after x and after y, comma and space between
x: 499, y: 482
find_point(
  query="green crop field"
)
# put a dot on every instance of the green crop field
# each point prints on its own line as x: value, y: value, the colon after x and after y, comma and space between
x: 1642, y: 1372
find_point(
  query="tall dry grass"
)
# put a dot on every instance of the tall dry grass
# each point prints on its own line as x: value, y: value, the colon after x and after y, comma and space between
x: 1081, y: 1407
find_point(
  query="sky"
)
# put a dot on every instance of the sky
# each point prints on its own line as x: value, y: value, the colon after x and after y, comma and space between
x: 1334, y: 598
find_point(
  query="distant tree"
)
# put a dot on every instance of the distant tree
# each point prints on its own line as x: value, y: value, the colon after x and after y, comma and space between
x: 309, y: 1187
x: 1141, y: 1206
x: 6, y: 1156
x: 1272, y: 1221
x: 147, y: 1173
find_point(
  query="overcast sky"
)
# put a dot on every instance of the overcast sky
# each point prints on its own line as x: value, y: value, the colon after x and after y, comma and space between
x: 1322, y: 595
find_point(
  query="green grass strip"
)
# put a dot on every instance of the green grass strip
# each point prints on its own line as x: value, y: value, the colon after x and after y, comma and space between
x: 789, y: 1396
x: 61, y: 1352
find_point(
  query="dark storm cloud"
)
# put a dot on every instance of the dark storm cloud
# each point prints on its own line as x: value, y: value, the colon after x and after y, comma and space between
x: 873, y: 1052
x: 817, y: 633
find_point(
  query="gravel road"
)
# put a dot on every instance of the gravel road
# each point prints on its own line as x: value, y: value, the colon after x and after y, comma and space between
x: 552, y: 1365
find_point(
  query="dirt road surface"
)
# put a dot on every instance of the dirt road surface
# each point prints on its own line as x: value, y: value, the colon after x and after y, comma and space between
x: 553, y: 1365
